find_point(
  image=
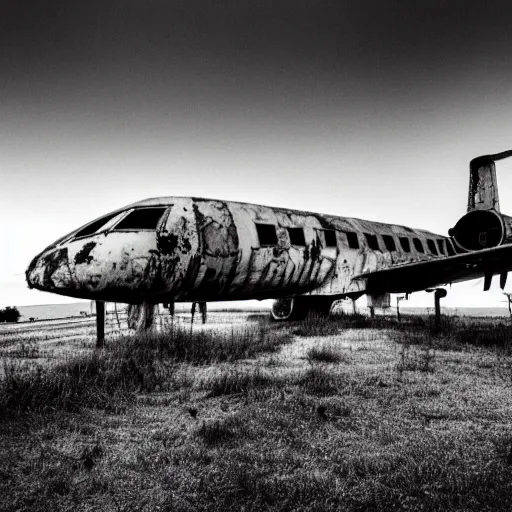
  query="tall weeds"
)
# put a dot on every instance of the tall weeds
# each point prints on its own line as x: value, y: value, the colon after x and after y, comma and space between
x: 319, y: 325
x: 110, y: 377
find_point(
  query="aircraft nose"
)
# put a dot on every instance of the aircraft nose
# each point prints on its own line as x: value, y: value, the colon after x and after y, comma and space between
x: 49, y: 271
x: 31, y: 275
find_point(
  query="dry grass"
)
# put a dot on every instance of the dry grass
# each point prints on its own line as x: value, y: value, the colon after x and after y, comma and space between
x: 325, y: 353
x: 129, y: 364
x: 407, y: 420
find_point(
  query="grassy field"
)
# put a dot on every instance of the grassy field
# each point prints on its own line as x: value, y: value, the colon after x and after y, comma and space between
x: 339, y: 414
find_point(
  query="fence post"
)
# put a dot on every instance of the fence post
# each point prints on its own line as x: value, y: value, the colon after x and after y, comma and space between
x: 100, y: 324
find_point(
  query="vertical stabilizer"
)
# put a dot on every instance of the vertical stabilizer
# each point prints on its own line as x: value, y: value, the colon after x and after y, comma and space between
x: 483, y: 186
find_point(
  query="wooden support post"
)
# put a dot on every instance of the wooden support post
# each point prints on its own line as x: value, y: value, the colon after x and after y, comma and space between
x: 372, y: 312
x: 398, y: 299
x: 437, y: 300
x: 193, y: 311
x: 100, y: 324
x: 117, y: 316
x: 509, y: 300
x: 202, y: 309
x: 438, y: 295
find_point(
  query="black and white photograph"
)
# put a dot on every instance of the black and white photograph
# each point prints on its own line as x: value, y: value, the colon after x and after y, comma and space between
x: 255, y: 255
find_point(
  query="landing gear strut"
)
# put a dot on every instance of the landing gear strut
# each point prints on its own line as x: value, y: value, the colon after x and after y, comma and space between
x: 100, y: 324
x: 297, y: 308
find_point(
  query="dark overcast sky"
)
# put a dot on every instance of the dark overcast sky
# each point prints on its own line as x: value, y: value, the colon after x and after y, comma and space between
x: 149, y: 53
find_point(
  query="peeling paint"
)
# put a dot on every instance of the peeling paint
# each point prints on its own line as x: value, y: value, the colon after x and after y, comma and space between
x: 204, y: 250
x: 52, y: 262
x: 84, y: 255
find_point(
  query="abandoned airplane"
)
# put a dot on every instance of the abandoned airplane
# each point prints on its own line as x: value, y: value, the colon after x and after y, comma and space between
x: 180, y: 249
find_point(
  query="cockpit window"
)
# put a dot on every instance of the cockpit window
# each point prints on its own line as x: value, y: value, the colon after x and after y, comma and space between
x: 141, y: 218
x: 95, y: 226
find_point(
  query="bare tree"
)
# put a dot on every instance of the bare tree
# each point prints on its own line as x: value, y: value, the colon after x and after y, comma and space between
x: 509, y: 300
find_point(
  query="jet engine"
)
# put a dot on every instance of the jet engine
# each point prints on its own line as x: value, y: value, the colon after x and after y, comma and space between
x: 483, y: 226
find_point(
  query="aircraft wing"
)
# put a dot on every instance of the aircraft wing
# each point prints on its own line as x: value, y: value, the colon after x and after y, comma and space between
x: 418, y: 276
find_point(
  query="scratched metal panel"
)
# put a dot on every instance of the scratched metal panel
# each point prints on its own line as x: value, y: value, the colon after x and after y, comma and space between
x: 209, y: 250
x: 118, y: 259
x: 96, y: 264
x: 219, y: 248
x: 177, y: 258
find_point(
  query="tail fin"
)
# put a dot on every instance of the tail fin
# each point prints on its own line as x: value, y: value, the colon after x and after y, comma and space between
x: 483, y: 186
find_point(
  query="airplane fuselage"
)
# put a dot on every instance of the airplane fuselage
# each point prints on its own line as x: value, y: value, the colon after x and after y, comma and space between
x: 191, y: 249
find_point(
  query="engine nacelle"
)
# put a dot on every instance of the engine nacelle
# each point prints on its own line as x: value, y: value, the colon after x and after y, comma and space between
x: 297, y: 308
x: 482, y: 229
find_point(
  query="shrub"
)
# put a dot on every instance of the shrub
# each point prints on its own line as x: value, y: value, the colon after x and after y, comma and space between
x: 217, y: 431
x: 326, y: 353
x: 236, y: 381
x: 9, y: 314
x: 318, y: 381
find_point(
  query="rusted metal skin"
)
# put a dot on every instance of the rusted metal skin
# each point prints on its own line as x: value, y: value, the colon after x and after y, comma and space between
x: 483, y: 184
x: 482, y: 229
x: 209, y: 250
x: 483, y: 226
x: 140, y: 316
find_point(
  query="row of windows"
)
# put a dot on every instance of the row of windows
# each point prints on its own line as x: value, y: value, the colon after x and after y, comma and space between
x: 147, y: 218
x: 267, y: 235
x: 439, y: 247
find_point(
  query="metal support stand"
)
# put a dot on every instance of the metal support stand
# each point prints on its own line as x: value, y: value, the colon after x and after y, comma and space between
x: 100, y: 324
x: 438, y: 295
x: 117, y: 316
x: 203, y: 311
x: 398, y: 299
x: 193, y: 312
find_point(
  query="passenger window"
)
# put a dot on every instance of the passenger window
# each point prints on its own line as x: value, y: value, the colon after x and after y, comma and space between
x: 405, y: 243
x: 266, y: 234
x: 449, y: 246
x: 353, y: 241
x: 296, y: 236
x: 432, y: 247
x: 418, y: 245
x: 389, y: 242
x: 441, y: 246
x: 373, y: 242
x: 330, y: 238
x: 95, y: 226
x: 141, y: 218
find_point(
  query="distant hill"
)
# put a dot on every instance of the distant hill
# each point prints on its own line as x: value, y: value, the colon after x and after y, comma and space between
x: 50, y: 311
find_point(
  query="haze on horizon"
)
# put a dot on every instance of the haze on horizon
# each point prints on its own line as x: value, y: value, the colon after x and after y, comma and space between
x: 369, y: 109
